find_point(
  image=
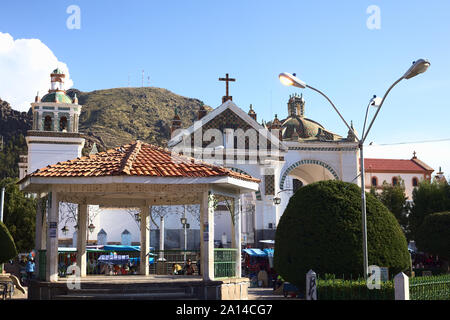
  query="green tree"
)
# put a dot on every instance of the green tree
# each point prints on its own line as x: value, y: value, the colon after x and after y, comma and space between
x: 428, y: 197
x: 321, y: 230
x: 7, y: 247
x: 9, y: 156
x: 433, y: 236
x: 394, y: 198
x: 19, y: 215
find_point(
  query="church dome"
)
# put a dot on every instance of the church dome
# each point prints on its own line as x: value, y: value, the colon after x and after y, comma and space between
x: 60, y: 97
x: 303, y: 127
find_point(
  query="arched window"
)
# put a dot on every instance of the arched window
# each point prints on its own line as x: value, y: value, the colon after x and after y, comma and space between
x: 48, y: 123
x: 394, y: 181
x: 415, y: 182
x: 374, y: 181
x: 63, y: 124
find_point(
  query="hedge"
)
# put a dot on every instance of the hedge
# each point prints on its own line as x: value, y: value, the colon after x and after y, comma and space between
x: 321, y: 230
x: 341, y: 289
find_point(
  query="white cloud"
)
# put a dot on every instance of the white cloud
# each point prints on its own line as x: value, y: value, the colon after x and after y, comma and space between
x: 25, y: 67
x: 434, y: 154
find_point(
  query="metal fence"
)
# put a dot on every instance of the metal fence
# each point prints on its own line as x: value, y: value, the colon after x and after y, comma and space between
x: 112, y: 262
x: 225, y: 263
x: 430, y: 288
x: 164, y: 260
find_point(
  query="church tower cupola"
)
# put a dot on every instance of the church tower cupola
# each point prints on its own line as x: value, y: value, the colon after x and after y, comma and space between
x: 54, y: 136
x: 296, y: 105
x: 252, y: 113
x: 57, y: 80
x: 56, y: 111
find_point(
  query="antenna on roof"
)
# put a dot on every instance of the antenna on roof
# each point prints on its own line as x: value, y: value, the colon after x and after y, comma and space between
x: 148, y: 81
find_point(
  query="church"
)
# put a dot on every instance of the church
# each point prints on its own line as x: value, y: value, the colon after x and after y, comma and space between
x: 284, y: 154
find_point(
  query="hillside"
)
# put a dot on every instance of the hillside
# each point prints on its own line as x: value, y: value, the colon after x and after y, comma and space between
x: 109, y: 117
x: 114, y: 117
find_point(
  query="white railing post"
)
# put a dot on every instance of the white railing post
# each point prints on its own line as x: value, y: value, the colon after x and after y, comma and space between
x: 401, y: 284
x: 311, y: 285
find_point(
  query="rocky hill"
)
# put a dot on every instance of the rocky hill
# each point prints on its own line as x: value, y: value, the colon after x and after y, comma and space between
x: 112, y: 117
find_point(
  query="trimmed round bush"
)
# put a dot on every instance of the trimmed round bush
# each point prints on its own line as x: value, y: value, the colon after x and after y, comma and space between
x: 7, y: 246
x: 321, y: 230
x: 433, y: 236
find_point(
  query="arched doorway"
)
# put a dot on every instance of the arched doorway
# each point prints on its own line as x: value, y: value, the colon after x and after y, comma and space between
x: 306, y: 172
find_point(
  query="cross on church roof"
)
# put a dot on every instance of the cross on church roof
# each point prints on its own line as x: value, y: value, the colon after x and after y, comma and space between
x: 226, y: 79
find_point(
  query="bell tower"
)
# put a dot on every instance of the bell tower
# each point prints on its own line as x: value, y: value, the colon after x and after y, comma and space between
x: 296, y: 105
x: 54, y: 136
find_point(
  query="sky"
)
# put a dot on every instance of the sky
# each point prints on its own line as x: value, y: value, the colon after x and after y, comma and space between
x: 350, y: 50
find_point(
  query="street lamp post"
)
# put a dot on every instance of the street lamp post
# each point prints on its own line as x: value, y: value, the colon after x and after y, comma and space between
x: 2, y: 205
x: 185, y: 227
x: 418, y: 67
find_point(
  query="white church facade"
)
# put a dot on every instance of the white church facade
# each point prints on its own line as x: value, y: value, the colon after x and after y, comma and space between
x: 284, y: 154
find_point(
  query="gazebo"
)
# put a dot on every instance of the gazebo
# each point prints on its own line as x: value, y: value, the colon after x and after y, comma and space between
x: 136, y: 175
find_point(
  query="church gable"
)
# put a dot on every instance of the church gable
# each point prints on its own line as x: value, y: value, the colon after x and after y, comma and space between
x: 254, y: 135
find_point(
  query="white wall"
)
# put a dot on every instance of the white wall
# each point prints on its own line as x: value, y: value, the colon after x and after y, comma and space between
x: 406, y: 177
x: 41, y: 155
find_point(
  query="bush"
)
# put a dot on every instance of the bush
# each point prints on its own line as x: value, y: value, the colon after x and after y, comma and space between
x: 429, y: 198
x: 321, y: 230
x: 340, y: 289
x: 7, y: 246
x: 433, y: 236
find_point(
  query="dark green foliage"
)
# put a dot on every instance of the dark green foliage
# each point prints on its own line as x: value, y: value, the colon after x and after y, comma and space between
x: 9, y: 156
x: 394, y: 198
x: 7, y: 247
x: 321, y: 230
x: 19, y: 215
x: 428, y: 197
x: 433, y: 236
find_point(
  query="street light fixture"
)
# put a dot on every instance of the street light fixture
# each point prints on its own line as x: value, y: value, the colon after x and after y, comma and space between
x: 64, y: 230
x: 276, y: 199
x: 418, y: 67
x: 91, y: 228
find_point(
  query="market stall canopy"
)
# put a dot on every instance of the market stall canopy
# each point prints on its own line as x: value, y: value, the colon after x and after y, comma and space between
x: 255, y: 252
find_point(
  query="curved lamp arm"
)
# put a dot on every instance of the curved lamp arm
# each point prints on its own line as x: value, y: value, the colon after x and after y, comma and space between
x: 324, y: 95
x: 379, y: 108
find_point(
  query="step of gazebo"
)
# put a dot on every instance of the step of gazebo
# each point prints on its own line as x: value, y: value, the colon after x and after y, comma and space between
x: 152, y: 289
x: 127, y: 296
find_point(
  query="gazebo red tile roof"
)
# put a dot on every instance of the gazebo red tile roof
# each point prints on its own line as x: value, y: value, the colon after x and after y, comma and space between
x: 138, y: 159
x: 396, y: 165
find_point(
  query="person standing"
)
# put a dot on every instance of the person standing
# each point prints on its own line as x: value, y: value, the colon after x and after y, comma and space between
x: 30, y: 269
